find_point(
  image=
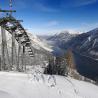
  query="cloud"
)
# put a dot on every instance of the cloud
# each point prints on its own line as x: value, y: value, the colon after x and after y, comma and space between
x: 49, y: 28
x: 37, y: 5
x: 42, y: 7
x: 84, y: 2
x: 19, y: 4
x: 77, y: 3
x: 52, y: 23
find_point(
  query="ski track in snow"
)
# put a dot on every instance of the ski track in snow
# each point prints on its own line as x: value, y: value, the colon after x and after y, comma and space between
x: 37, y: 85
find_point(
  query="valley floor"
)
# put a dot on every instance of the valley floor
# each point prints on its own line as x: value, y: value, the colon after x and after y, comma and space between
x: 36, y: 85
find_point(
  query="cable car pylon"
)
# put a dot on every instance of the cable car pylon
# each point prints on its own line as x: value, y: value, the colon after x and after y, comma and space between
x: 19, y: 34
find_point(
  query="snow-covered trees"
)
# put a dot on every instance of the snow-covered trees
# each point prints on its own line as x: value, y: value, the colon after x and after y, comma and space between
x: 57, y: 65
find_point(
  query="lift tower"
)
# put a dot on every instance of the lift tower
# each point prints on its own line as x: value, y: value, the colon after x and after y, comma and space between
x: 4, y: 43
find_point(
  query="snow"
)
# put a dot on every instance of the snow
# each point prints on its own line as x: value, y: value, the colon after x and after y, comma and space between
x: 94, y: 43
x: 37, y: 43
x: 37, y: 85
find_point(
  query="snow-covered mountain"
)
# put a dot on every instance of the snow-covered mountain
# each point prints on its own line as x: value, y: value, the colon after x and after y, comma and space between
x: 39, y: 43
x: 86, y: 43
x: 58, y: 41
x: 90, y: 44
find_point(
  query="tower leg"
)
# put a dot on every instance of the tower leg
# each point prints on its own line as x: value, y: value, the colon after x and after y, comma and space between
x: 14, y: 57
x: 0, y: 62
x: 3, y: 48
x: 5, y: 56
x: 24, y: 58
x: 19, y: 50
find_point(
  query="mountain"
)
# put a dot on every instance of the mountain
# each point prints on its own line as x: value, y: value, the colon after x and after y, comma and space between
x: 86, y: 43
x: 39, y: 44
x: 61, y: 38
x: 58, y: 41
x: 85, y: 53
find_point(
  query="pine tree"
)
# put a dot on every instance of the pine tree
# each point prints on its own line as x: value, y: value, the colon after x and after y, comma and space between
x: 61, y: 66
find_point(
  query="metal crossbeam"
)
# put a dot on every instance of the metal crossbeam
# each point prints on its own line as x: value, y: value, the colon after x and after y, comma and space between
x: 7, y: 11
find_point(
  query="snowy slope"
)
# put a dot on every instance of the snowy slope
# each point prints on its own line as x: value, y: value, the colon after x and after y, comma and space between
x: 19, y: 85
x: 36, y: 42
x: 39, y: 44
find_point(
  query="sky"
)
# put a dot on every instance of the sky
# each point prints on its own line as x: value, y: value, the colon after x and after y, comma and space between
x: 46, y: 17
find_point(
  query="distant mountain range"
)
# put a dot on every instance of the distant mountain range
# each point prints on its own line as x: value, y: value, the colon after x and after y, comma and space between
x: 86, y: 43
x: 58, y: 42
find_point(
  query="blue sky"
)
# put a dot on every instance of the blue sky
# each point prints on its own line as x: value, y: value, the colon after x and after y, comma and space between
x: 51, y: 16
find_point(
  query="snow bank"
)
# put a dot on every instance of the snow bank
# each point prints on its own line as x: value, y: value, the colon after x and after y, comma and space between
x: 37, y: 85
